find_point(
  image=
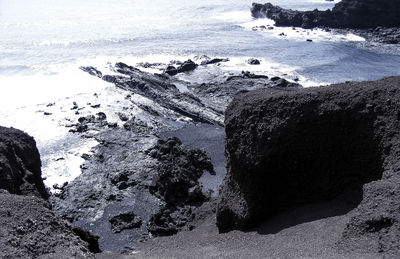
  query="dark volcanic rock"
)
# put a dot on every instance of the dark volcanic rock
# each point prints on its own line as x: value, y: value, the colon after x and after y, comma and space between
x: 30, y: 230
x: 178, y: 172
x: 133, y: 185
x: 214, y: 61
x: 221, y: 94
x: 92, y: 71
x: 20, y: 164
x: 254, y: 61
x: 161, y: 90
x: 171, y: 70
x: 382, y: 35
x: 89, y: 238
x: 125, y: 221
x: 287, y: 148
x: 345, y: 14
x: 187, y: 66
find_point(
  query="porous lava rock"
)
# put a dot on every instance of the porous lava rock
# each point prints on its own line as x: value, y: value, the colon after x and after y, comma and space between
x: 20, y: 164
x: 289, y: 148
x: 135, y: 185
x: 178, y: 172
x: 29, y: 229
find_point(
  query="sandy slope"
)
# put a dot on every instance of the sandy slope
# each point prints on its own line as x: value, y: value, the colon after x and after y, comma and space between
x: 310, y: 239
x: 306, y: 232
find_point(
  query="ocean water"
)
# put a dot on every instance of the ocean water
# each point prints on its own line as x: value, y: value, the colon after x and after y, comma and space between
x: 43, y: 43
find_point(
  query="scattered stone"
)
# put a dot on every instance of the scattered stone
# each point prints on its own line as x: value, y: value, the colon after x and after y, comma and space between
x: 187, y: 66
x: 92, y: 71
x: 123, y: 117
x: 214, y: 61
x: 112, y: 125
x: 75, y: 106
x: 101, y: 116
x: 60, y: 187
x: 254, y: 61
x: 171, y: 70
x: 125, y: 221
x: 149, y: 65
x: 85, y: 156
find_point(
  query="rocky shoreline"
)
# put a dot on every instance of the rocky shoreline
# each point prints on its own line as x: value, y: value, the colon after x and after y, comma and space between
x: 30, y: 229
x: 136, y: 184
x: 333, y: 149
x: 377, y: 21
x: 140, y: 183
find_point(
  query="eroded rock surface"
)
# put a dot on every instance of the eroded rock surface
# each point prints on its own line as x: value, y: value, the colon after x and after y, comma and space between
x: 20, y: 164
x: 288, y: 148
x: 29, y: 229
x: 132, y: 186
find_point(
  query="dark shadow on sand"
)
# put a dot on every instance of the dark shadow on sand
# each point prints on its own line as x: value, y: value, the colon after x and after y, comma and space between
x: 310, y: 212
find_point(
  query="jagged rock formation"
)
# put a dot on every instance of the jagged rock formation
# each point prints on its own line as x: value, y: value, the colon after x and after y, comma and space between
x: 29, y: 229
x: 200, y: 103
x: 162, y: 91
x: 286, y: 149
x: 134, y: 184
x: 354, y: 14
x: 20, y: 164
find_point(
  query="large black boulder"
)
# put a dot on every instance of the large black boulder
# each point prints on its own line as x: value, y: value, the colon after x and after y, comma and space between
x: 289, y: 148
x: 20, y: 164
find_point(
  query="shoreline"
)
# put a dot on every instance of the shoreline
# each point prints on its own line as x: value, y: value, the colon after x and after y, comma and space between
x: 167, y: 169
x: 342, y: 18
x: 99, y: 202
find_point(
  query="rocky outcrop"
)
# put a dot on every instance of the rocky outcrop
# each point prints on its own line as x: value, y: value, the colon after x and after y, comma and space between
x: 186, y: 66
x: 135, y: 185
x: 289, y: 148
x: 354, y: 14
x: 20, y: 164
x: 29, y: 229
x: 199, y: 102
x: 160, y: 89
